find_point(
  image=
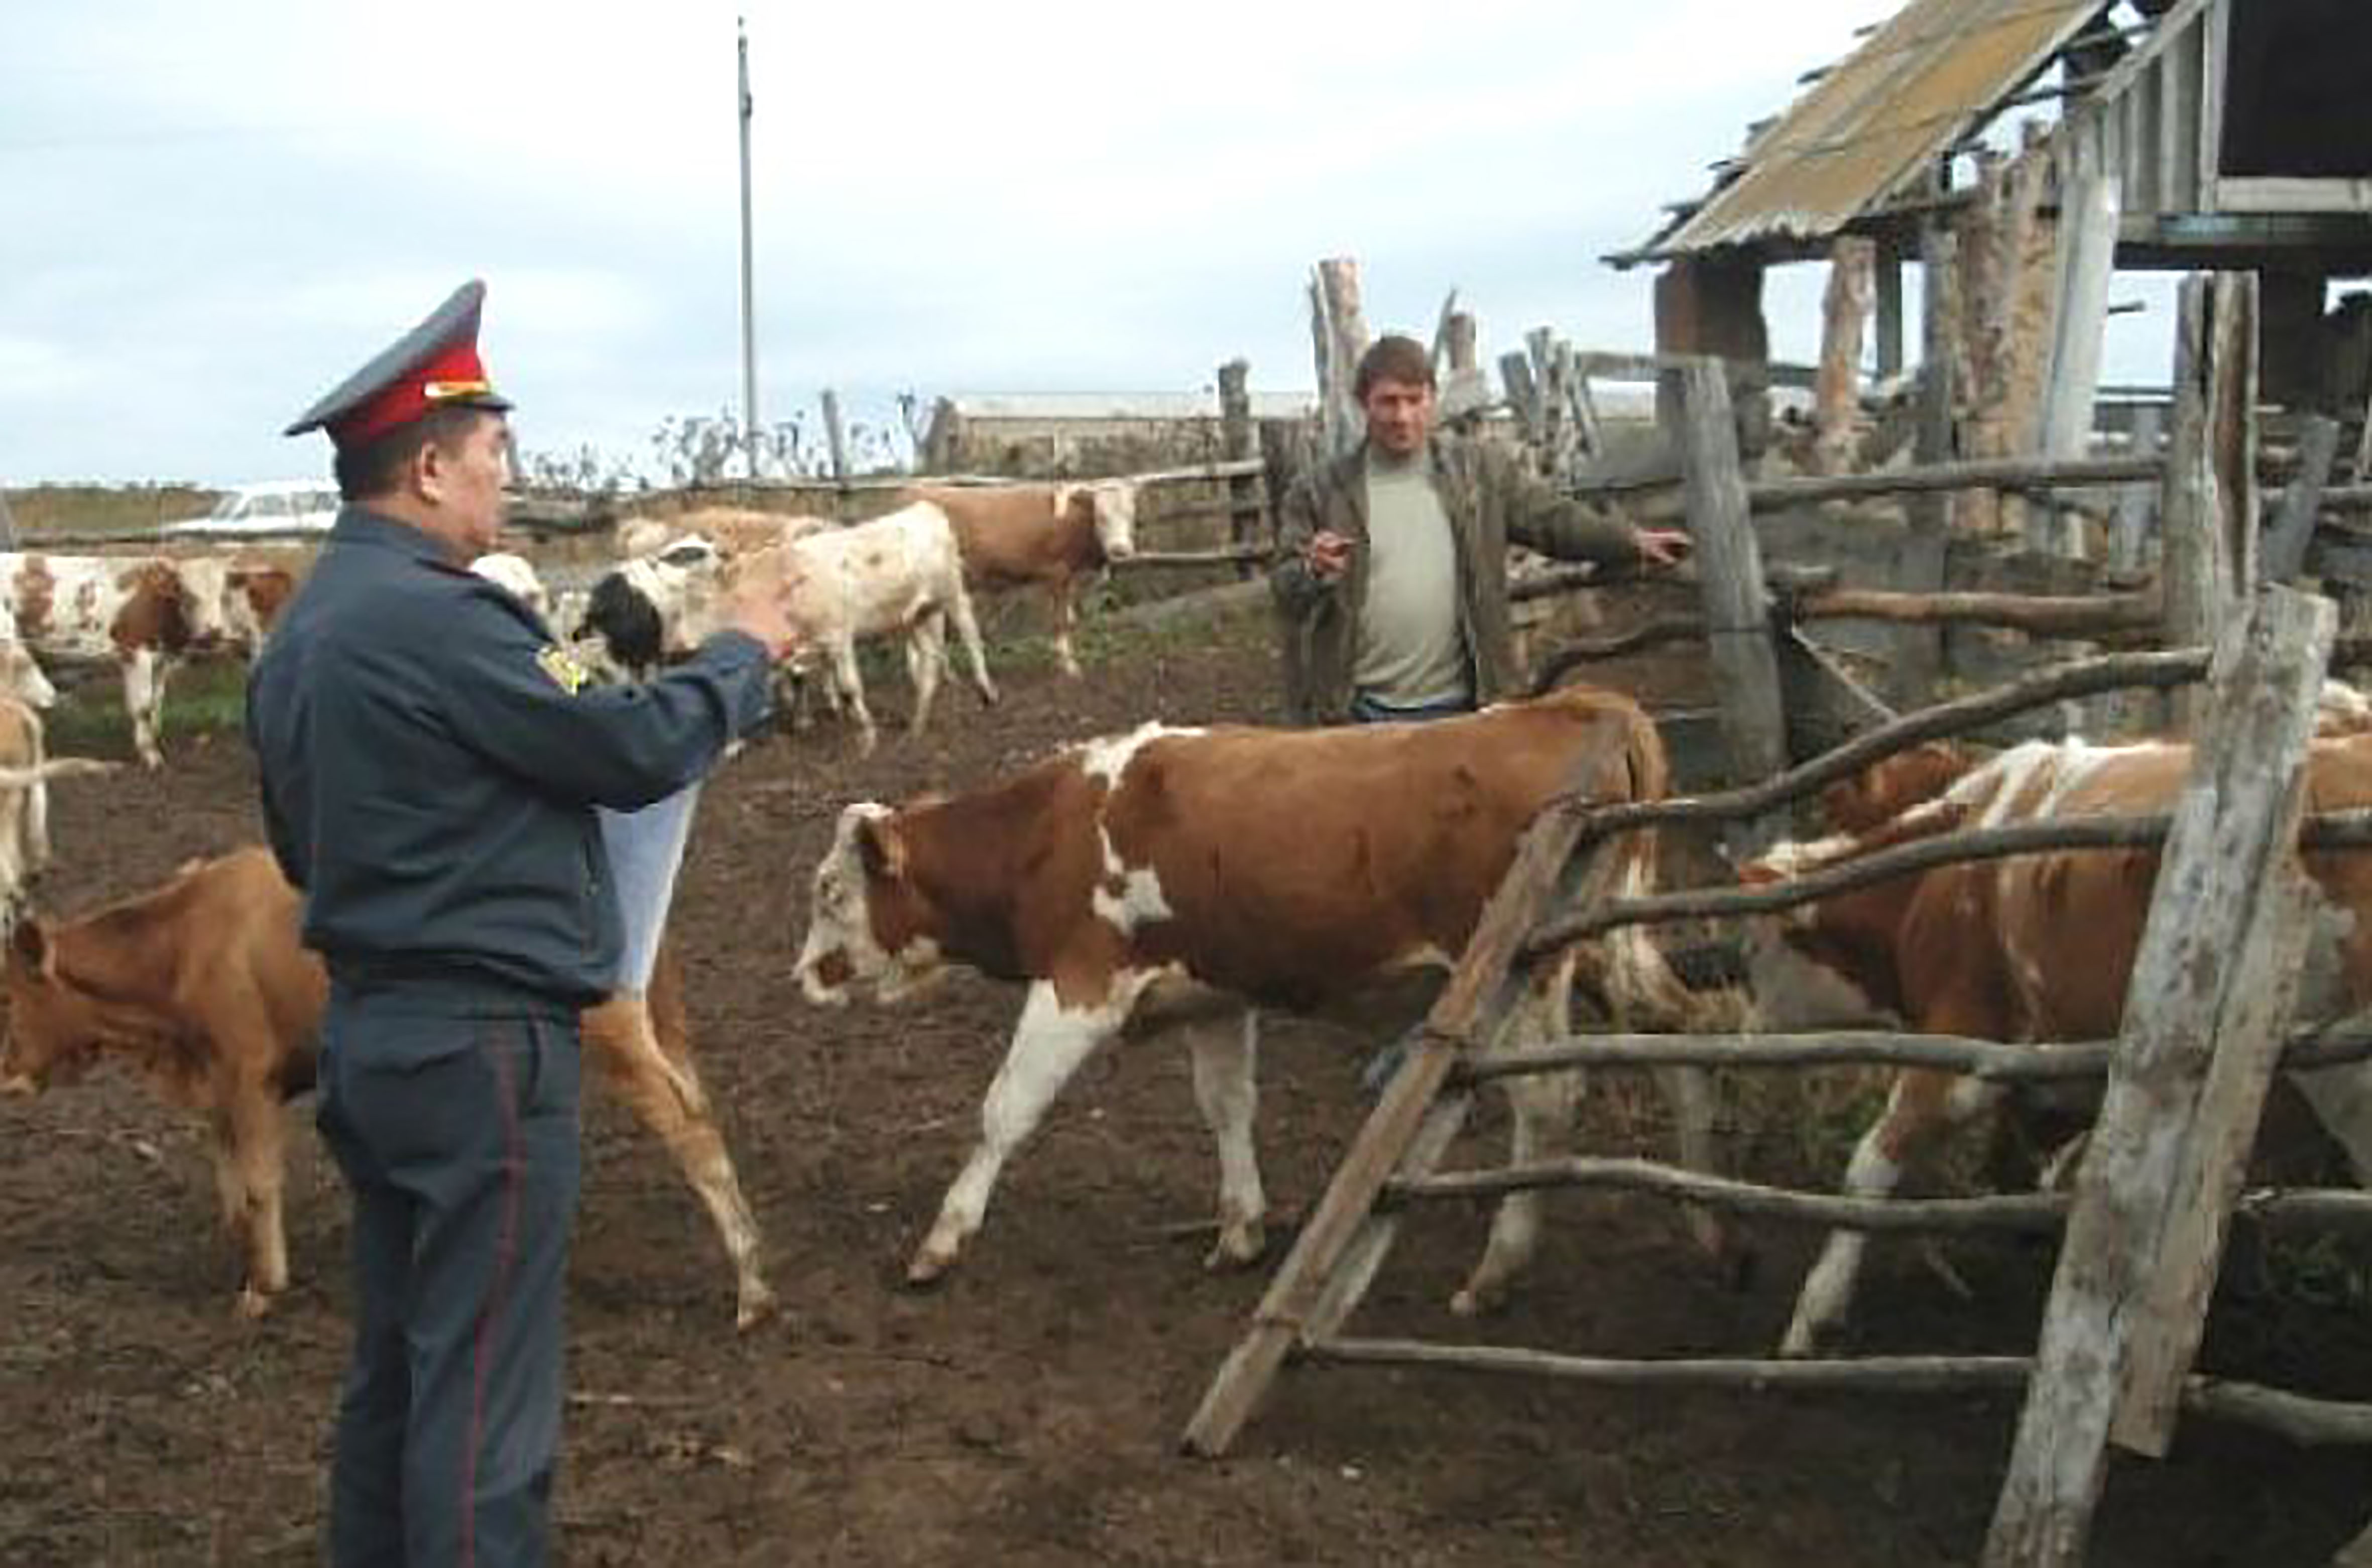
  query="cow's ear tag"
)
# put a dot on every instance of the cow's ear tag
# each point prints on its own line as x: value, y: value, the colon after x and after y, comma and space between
x: 562, y: 666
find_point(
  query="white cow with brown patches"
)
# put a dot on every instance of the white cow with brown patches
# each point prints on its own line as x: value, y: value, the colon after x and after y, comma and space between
x: 1059, y: 536
x: 143, y: 614
x: 896, y: 576
x: 1182, y: 874
x: 2034, y: 947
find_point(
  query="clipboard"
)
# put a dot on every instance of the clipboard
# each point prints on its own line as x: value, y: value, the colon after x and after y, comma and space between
x: 645, y: 854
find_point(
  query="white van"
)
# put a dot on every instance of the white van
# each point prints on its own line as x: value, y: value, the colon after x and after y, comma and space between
x: 279, y: 505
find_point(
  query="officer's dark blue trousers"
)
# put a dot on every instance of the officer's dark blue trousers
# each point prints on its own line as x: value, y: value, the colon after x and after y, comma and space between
x: 458, y: 1136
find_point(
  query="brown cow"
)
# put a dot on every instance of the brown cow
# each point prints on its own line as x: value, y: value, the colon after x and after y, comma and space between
x: 1057, y: 535
x: 2034, y: 947
x: 201, y: 985
x: 1290, y: 869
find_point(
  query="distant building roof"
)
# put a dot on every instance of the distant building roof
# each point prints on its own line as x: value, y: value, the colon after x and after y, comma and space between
x: 1119, y: 405
x: 1877, y: 120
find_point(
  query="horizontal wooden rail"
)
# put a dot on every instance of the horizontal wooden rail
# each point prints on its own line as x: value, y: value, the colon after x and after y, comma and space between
x: 2331, y: 1045
x: 2040, y: 615
x: 2334, y: 830
x: 2036, y: 1213
x: 1895, y: 1373
x: 1231, y: 555
x: 2300, y: 1419
x: 1988, y: 473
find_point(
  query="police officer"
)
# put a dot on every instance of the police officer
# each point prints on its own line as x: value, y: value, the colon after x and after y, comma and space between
x: 430, y: 762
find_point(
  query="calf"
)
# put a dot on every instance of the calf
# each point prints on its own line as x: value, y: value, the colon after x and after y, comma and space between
x: 2034, y: 948
x: 202, y: 986
x: 1218, y: 868
x: 1058, y: 536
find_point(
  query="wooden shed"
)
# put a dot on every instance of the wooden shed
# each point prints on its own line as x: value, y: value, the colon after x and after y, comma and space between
x: 2222, y: 134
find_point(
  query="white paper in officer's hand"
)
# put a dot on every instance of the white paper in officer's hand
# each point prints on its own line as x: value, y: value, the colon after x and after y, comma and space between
x: 645, y: 853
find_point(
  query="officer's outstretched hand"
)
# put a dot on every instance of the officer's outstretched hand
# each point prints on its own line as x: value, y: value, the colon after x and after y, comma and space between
x: 762, y: 600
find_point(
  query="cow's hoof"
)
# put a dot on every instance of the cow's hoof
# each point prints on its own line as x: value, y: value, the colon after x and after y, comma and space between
x: 758, y: 1305
x: 928, y: 1266
x: 1482, y: 1295
x: 1238, y: 1246
x: 1806, y: 1342
x: 252, y: 1304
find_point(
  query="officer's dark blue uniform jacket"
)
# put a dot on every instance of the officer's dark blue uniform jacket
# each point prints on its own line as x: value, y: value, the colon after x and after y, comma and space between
x: 429, y: 767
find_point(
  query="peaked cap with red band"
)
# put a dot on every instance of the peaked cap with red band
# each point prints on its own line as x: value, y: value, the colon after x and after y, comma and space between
x: 432, y: 366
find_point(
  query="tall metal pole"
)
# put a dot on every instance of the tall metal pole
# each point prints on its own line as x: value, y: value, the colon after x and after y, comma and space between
x: 749, y: 306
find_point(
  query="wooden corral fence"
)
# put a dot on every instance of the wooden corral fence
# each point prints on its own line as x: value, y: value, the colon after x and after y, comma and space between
x: 1784, y: 696
x: 2208, y: 1015
x: 2145, y: 1231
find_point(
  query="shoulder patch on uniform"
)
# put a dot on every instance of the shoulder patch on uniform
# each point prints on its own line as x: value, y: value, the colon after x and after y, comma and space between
x: 562, y: 666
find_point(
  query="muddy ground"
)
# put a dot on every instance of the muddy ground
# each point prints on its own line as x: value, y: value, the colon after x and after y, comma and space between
x: 1026, y: 1412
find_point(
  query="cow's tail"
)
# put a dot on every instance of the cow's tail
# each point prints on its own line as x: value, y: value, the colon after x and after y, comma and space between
x: 1642, y: 990
x: 55, y: 768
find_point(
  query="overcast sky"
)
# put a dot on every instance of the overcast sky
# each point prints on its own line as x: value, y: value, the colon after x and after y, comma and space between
x: 213, y: 211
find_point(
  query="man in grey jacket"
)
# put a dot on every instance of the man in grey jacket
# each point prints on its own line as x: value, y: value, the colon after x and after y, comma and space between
x: 1392, y: 560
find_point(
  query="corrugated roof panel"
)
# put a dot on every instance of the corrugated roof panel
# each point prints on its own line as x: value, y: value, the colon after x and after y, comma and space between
x: 1919, y: 83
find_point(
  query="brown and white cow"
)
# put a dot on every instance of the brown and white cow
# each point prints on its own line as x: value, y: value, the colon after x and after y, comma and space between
x: 143, y: 614
x: 201, y: 986
x: 1060, y: 536
x: 2034, y: 947
x: 1301, y: 870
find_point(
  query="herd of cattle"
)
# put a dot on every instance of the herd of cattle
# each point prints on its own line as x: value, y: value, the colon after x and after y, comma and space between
x: 1123, y: 883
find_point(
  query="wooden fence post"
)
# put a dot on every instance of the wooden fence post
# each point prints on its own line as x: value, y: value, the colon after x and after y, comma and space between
x: 834, y: 435
x: 2212, y: 986
x: 2232, y: 426
x: 1340, y: 329
x: 1730, y: 566
x: 2293, y: 529
x: 1246, y: 518
x: 2199, y: 580
x: 1919, y: 650
x: 1889, y: 311
x: 1465, y: 393
x: 1523, y: 393
x: 1836, y: 397
x: 2088, y: 249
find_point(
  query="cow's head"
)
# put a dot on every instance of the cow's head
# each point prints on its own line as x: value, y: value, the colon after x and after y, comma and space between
x: 1892, y: 785
x: 624, y: 611
x: 1111, y: 502
x: 21, y: 676
x: 255, y: 595
x: 866, y: 919
x: 516, y: 575
x: 159, y: 611
x: 53, y: 1032
x: 1835, y: 963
